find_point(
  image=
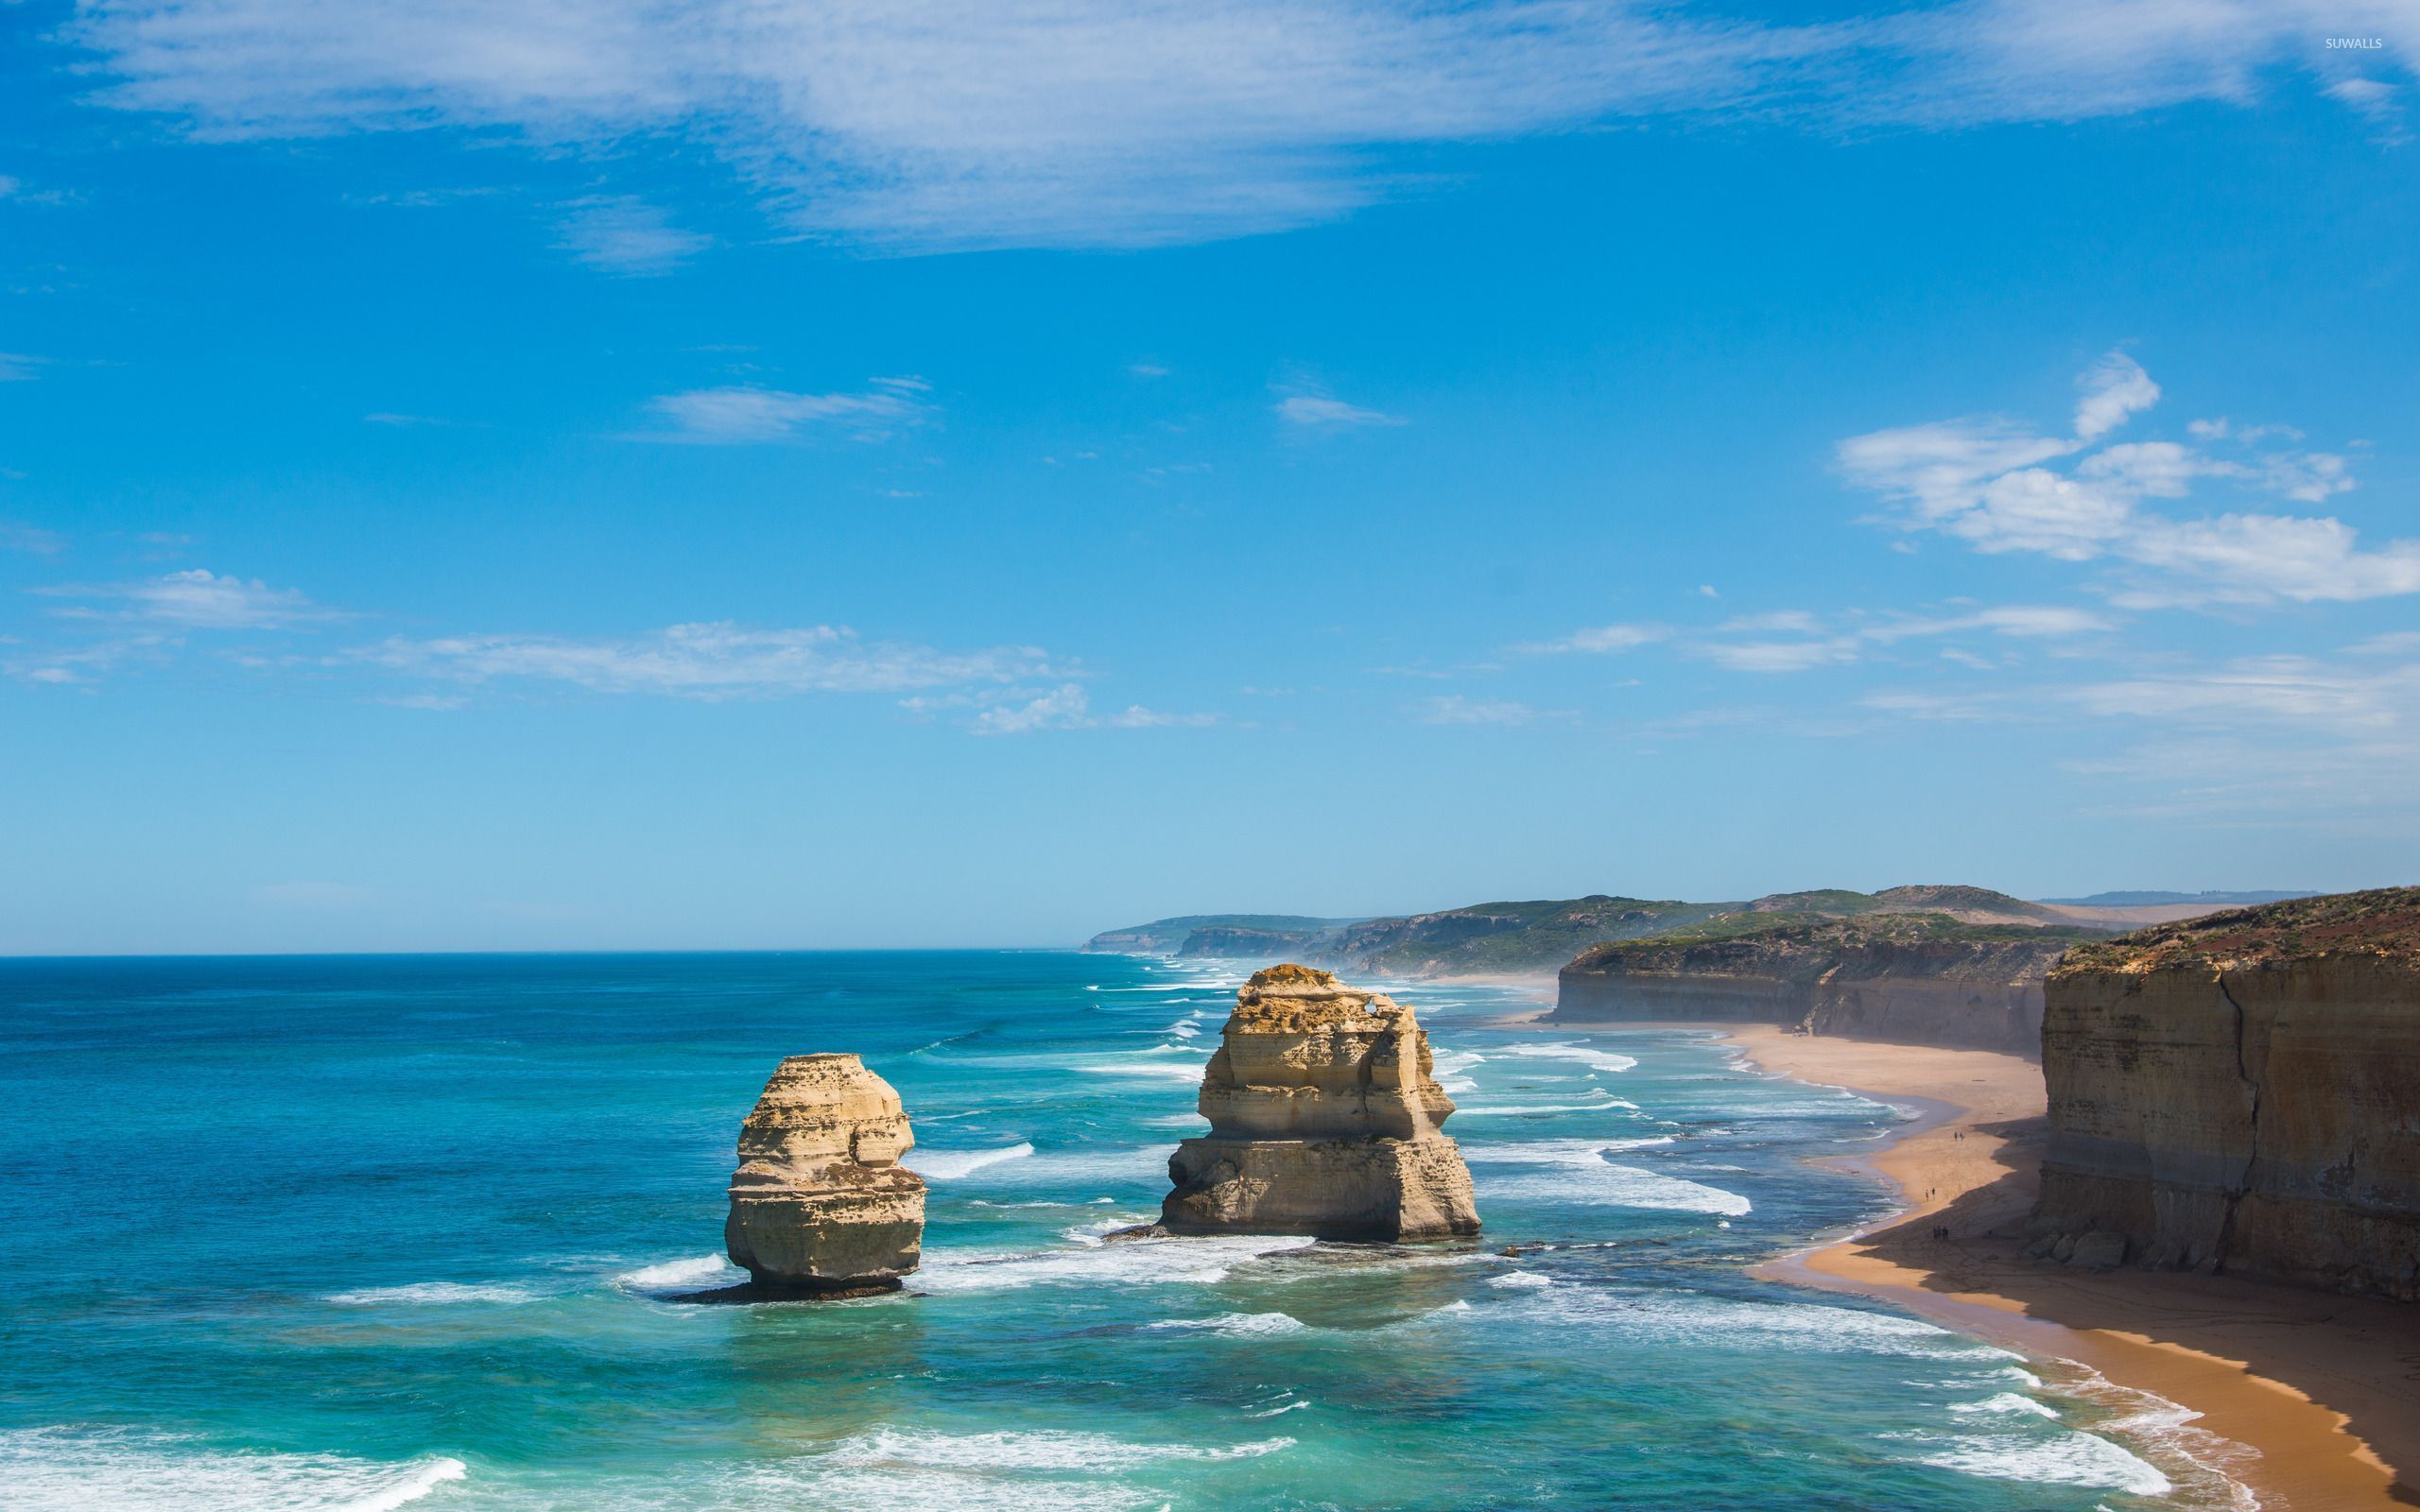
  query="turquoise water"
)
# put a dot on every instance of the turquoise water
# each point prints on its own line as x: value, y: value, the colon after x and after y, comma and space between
x: 365, y: 1233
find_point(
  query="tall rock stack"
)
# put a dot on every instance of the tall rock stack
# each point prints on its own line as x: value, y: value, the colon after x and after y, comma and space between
x: 2242, y: 1093
x: 820, y: 1204
x: 1324, y: 1120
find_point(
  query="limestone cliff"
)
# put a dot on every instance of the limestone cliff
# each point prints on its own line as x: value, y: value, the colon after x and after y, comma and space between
x: 2242, y: 1093
x: 1922, y: 978
x: 1325, y: 1119
x: 819, y: 1203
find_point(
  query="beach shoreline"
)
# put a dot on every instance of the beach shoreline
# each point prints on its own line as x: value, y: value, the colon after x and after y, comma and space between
x: 2324, y: 1390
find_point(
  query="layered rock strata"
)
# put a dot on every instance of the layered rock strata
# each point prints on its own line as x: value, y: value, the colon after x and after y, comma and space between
x: 819, y: 1203
x: 1325, y: 1119
x: 1910, y: 979
x: 2242, y: 1093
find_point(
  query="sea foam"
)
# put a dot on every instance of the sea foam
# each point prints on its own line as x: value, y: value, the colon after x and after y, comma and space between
x: 2064, y: 1458
x: 1124, y: 1263
x: 949, y: 1165
x: 62, y: 1469
x: 1581, y: 1174
x: 680, y: 1275
x: 433, y: 1294
x: 1582, y: 1055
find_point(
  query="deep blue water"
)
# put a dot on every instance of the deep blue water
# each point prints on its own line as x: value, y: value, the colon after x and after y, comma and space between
x: 360, y: 1232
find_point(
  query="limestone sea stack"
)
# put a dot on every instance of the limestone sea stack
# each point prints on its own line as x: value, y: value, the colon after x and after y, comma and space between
x: 1324, y: 1120
x: 819, y: 1203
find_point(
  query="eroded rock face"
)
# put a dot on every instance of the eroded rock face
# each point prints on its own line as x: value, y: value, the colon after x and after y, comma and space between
x: 819, y: 1202
x: 2243, y: 1093
x: 1324, y: 1119
x: 1851, y: 979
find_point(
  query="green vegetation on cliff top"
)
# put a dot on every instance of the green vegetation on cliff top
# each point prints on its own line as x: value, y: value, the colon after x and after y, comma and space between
x: 1536, y: 936
x: 1801, y: 932
x: 2383, y: 921
x: 1540, y: 935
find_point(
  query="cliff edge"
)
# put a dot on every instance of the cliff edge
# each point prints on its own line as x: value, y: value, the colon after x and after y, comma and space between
x: 1909, y: 978
x: 2242, y: 1093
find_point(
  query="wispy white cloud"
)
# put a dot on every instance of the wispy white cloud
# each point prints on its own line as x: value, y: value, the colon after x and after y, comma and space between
x: 712, y: 660
x: 2377, y: 101
x: 1319, y: 411
x: 740, y: 414
x: 1069, y: 707
x: 403, y: 421
x: 18, y: 536
x: 1991, y: 482
x: 198, y: 599
x: 2114, y: 388
x: 1601, y: 640
x: 1454, y: 709
x: 1800, y: 641
x: 621, y: 234
x: 1092, y: 122
x: 20, y: 368
x: 2295, y: 693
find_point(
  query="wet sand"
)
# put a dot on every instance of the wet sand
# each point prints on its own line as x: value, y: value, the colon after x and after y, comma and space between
x: 2326, y: 1389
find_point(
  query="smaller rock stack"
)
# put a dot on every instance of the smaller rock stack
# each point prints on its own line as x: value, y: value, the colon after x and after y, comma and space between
x: 820, y: 1205
x: 1324, y: 1120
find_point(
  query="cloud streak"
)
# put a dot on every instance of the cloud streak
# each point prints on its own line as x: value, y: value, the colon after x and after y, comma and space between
x: 744, y: 414
x: 707, y: 661
x: 956, y: 123
x: 1069, y: 707
x: 1319, y: 412
x: 622, y: 234
x: 198, y: 599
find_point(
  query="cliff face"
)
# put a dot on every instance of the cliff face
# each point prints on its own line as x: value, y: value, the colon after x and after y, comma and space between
x: 1324, y: 1119
x: 1540, y: 935
x: 1241, y: 943
x: 2242, y: 1093
x: 819, y: 1202
x: 1878, y: 977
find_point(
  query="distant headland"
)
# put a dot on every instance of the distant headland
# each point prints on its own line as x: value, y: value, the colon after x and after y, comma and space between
x: 1542, y: 935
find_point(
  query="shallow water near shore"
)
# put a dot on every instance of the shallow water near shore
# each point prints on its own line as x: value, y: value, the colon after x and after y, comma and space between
x: 364, y: 1233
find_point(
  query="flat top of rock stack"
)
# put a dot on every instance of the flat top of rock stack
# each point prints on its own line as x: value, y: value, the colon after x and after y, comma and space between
x: 814, y: 1106
x: 819, y: 1203
x: 2383, y: 921
x: 1290, y: 999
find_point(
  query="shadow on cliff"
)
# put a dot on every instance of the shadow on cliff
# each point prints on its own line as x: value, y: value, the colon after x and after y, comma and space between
x: 2266, y: 1327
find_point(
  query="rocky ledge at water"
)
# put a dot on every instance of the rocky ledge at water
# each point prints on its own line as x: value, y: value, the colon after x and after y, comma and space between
x: 2242, y: 1093
x: 1325, y: 1119
x: 820, y: 1205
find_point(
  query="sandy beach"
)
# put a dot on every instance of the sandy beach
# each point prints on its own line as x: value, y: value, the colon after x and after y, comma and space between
x: 2325, y: 1389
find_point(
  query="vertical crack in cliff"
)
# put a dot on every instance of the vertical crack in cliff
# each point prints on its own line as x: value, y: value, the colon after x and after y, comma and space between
x: 2252, y: 1157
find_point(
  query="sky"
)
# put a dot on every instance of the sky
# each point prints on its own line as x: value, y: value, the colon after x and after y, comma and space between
x: 578, y: 474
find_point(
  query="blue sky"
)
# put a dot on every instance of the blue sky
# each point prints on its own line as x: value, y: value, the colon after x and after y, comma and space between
x: 587, y: 475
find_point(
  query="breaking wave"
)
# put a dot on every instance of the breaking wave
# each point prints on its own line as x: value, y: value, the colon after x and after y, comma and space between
x: 948, y: 1165
x: 60, y: 1469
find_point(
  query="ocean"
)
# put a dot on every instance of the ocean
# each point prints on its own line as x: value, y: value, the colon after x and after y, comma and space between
x: 362, y: 1233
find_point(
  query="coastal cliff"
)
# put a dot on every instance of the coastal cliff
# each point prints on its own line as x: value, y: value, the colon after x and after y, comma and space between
x: 1913, y: 978
x: 1538, y: 935
x: 2242, y: 1093
x: 1325, y: 1119
x: 820, y: 1204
